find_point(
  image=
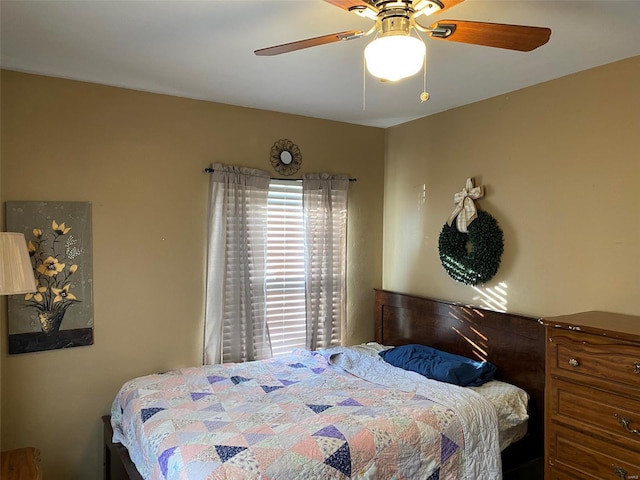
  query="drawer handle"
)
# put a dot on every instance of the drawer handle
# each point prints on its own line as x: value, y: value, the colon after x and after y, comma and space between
x: 574, y: 363
x: 636, y: 368
x: 626, y: 423
x: 619, y: 471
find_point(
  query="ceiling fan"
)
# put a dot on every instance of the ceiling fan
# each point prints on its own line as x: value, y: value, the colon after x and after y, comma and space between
x: 396, y: 54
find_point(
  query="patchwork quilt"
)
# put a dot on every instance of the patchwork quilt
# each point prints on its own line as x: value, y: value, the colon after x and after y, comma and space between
x: 304, y: 416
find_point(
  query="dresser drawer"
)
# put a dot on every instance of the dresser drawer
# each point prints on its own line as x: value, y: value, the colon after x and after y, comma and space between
x: 602, y: 413
x: 581, y: 355
x: 586, y: 457
x: 555, y: 474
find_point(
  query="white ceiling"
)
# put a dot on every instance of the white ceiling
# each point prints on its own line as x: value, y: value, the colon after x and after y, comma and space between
x: 204, y: 50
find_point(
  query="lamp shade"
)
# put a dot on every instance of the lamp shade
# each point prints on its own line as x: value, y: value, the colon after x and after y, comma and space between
x: 16, y: 272
x: 394, y: 57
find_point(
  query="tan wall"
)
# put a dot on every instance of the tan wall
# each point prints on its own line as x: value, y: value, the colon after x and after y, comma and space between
x: 561, y: 166
x: 138, y: 158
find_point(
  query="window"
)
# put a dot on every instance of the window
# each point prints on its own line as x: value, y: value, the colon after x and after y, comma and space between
x: 276, y: 264
x: 285, y: 275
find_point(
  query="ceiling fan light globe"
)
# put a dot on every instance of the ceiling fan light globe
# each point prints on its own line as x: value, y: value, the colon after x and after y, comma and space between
x: 394, y: 57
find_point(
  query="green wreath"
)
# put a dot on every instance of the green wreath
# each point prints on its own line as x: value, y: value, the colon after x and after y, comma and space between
x: 474, y: 257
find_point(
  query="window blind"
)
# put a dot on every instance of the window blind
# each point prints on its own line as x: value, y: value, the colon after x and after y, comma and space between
x: 285, y: 267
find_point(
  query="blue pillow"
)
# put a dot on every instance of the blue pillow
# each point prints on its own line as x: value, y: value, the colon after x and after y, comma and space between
x: 439, y: 365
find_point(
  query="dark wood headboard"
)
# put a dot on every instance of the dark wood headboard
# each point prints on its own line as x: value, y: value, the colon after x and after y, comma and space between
x: 515, y: 344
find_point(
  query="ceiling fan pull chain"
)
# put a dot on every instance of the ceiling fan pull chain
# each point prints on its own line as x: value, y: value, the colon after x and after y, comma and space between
x: 364, y: 84
x: 424, y: 96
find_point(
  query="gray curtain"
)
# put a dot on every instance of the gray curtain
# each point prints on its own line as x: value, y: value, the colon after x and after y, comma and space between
x: 235, y: 310
x: 325, y: 223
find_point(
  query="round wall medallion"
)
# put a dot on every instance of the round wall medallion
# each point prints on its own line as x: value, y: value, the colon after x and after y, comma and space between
x: 286, y: 157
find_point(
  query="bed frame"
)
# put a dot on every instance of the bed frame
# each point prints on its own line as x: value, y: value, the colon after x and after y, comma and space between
x: 515, y: 344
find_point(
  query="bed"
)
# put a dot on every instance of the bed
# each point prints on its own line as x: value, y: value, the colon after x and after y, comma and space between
x: 342, y: 413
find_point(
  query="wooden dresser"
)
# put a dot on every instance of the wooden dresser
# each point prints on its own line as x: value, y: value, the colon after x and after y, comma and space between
x: 592, y: 397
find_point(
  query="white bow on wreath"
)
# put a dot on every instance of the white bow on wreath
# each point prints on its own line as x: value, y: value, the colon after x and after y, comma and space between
x: 465, y: 208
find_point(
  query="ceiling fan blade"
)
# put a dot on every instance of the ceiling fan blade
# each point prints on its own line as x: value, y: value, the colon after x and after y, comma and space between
x: 347, y: 4
x: 447, y: 4
x: 309, y: 42
x: 511, y: 37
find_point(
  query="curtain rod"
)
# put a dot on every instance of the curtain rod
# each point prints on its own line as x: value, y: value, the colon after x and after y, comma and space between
x: 211, y: 170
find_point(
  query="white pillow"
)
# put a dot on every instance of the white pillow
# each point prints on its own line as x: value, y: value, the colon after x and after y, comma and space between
x: 509, y: 401
x: 371, y: 348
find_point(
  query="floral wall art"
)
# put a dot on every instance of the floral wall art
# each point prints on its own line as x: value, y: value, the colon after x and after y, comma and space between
x: 60, y: 313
